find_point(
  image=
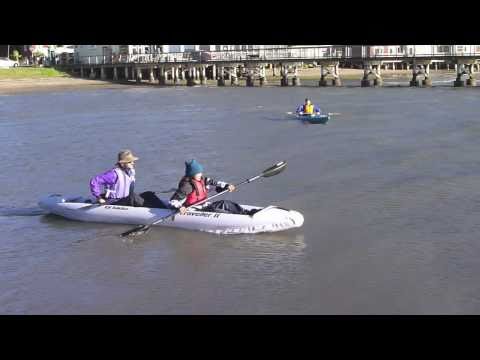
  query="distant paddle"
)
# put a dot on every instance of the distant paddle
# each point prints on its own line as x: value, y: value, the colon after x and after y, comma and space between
x: 143, y: 229
x: 329, y: 114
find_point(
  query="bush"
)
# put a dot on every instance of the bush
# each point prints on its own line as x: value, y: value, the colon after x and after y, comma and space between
x: 16, y: 55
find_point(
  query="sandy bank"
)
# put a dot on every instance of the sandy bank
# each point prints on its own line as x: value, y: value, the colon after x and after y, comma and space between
x: 15, y: 86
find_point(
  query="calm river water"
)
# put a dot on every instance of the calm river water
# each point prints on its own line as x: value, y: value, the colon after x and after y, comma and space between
x: 389, y: 191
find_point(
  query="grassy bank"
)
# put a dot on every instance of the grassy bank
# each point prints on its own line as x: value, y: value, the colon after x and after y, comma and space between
x: 31, y: 73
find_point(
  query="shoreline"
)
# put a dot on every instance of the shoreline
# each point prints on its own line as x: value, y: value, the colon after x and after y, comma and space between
x: 19, y: 86
x: 26, y: 85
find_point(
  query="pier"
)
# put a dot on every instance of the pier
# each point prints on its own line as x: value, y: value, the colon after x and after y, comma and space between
x: 228, y: 66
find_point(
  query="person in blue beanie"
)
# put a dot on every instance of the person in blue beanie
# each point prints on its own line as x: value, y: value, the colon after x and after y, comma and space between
x: 193, y: 187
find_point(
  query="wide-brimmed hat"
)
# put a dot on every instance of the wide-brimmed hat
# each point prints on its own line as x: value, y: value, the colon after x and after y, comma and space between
x: 126, y: 156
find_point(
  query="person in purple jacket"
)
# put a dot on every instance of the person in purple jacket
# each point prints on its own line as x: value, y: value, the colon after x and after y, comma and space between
x: 116, y: 186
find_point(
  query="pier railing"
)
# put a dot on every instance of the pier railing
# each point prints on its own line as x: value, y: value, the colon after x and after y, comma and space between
x: 288, y: 54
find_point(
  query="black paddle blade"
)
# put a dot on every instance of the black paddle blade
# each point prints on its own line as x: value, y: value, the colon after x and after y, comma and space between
x: 136, y: 231
x: 168, y: 191
x: 275, y: 169
x: 87, y: 207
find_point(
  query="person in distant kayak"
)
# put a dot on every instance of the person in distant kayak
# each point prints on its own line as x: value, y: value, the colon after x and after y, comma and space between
x: 193, y: 188
x: 308, y: 108
x: 116, y: 186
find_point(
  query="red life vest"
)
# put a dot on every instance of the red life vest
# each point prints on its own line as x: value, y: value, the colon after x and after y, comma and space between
x: 199, y: 192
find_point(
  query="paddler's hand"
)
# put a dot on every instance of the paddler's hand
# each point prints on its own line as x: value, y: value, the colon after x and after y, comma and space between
x: 183, y: 210
x: 231, y: 188
x: 101, y: 200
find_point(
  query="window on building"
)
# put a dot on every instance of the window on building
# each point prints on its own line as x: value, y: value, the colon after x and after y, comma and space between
x: 443, y: 48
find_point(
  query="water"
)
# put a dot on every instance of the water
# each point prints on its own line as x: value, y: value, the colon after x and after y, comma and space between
x: 388, y: 190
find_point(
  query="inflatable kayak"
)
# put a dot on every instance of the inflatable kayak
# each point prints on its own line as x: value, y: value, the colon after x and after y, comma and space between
x: 314, y: 118
x: 267, y: 219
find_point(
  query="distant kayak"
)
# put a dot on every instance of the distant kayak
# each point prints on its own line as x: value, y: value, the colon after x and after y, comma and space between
x: 314, y: 118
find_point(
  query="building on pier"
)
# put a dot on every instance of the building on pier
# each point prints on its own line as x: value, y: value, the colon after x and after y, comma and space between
x: 83, y: 52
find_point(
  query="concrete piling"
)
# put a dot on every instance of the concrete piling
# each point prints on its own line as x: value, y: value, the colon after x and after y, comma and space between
x: 151, y: 75
x: 471, y: 80
x: 250, y: 80
x: 336, y: 81
x: 459, y: 82
x: 161, y: 76
x: 175, y: 75
x: 220, y: 77
x: 284, y: 74
x: 203, y: 79
x: 139, y: 75
x: 295, y: 78
x: 367, y: 70
x: 427, y: 82
x: 233, y: 77
x: 263, y: 78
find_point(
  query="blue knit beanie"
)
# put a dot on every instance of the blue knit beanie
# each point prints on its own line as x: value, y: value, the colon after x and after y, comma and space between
x: 193, y: 167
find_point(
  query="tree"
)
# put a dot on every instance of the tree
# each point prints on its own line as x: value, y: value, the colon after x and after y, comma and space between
x: 16, y: 55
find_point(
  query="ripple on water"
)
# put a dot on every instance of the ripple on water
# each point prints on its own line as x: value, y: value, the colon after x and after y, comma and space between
x: 388, y: 190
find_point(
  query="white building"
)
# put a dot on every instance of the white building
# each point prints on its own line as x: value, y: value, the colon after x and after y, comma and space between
x: 82, y: 52
x: 421, y: 50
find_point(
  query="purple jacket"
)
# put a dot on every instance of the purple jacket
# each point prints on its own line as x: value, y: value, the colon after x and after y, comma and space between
x: 109, y: 181
x: 97, y: 183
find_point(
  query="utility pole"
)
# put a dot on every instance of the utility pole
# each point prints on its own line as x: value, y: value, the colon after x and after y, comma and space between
x: 8, y: 51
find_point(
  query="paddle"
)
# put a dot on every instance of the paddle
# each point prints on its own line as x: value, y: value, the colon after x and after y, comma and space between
x: 142, y: 229
x: 87, y: 207
x: 167, y: 191
x: 329, y: 114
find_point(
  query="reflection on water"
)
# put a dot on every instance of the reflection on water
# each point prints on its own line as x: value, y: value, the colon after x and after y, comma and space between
x: 33, y: 211
x: 388, y: 191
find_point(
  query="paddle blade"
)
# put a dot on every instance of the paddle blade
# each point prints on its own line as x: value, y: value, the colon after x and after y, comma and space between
x: 275, y: 169
x: 168, y: 191
x: 136, y: 231
x: 87, y: 207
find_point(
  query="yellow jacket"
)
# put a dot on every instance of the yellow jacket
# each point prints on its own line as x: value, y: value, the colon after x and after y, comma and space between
x: 308, y: 109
